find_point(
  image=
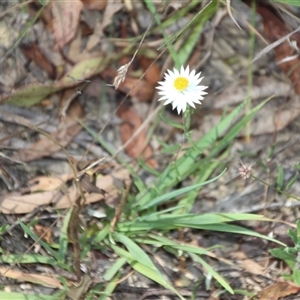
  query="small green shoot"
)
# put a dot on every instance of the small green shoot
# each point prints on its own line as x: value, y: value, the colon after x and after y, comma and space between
x: 290, y: 255
x: 280, y: 178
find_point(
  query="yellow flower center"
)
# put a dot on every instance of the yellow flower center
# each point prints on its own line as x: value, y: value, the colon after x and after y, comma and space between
x: 181, y: 83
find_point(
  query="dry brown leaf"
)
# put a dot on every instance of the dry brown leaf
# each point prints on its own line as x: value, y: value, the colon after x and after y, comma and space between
x: 45, y: 146
x: 30, y: 277
x: 111, y: 8
x: 47, y: 183
x: 43, y: 232
x: 66, y: 15
x: 215, y: 295
x: 131, y: 122
x: 17, y: 203
x: 77, y: 292
x: 275, y: 29
x: 247, y: 264
x: 75, y: 50
x: 138, y: 88
x: 94, y: 4
x: 32, y: 94
x: 278, y: 290
x: 153, y: 73
x: 34, y: 53
x: 76, y: 53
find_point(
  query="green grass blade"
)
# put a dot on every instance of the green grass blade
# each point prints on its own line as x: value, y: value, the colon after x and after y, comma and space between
x: 213, y: 222
x: 150, y: 5
x: 183, y: 247
x: 292, y: 181
x: 208, y: 166
x: 189, y: 162
x: 161, y: 199
x: 96, y: 136
x: 280, y: 178
x: 63, y: 238
x: 27, y: 259
x: 102, y: 234
x: 237, y: 128
x: 151, y: 273
x: 112, y: 271
x: 238, y: 230
x: 18, y: 296
x: 171, y: 122
x: 289, y: 2
x: 110, y: 288
x: 211, y: 271
x: 197, y: 25
x: 39, y: 241
x: 147, y: 168
x: 137, y: 252
x: 27, y: 28
x: 204, y: 219
x: 204, y: 173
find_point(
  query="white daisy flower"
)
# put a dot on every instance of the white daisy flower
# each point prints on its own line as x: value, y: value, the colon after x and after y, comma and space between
x: 181, y: 88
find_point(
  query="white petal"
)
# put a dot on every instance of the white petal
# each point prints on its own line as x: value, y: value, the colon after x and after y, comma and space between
x: 179, y: 100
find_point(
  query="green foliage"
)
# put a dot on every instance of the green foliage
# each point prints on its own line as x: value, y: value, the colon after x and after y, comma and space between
x: 194, y: 28
x: 19, y: 296
x: 145, y: 221
x: 289, y: 2
x: 280, y: 178
x: 43, y: 2
x: 293, y: 178
x: 291, y: 255
x: 144, y: 216
x: 281, y: 185
x: 190, y: 162
x: 3, y: 229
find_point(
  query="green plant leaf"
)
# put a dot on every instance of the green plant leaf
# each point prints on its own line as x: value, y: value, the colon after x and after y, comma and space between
x: 137, y: 252
x: 19, y: 296
x: 195, y: 28
x: 211, y: 271
x: 39, y: 241
x: 110, y: 287
x: 239, y: 230
x: 170, y: 122
x: 298, y: 232
x: 112, y: 271
x: 151, y: 273
x: 280, y: 178
x: 281, y: 253
x: 183, y: 247
x: 102, y: 234
x: 296, y: 276
x: 161, y: 199
x: 293, y: 235
x: 190, y: 162
x: 289, y: 2
x: 292, y: 181
x: 63, y: 238
x: 27, y: 259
